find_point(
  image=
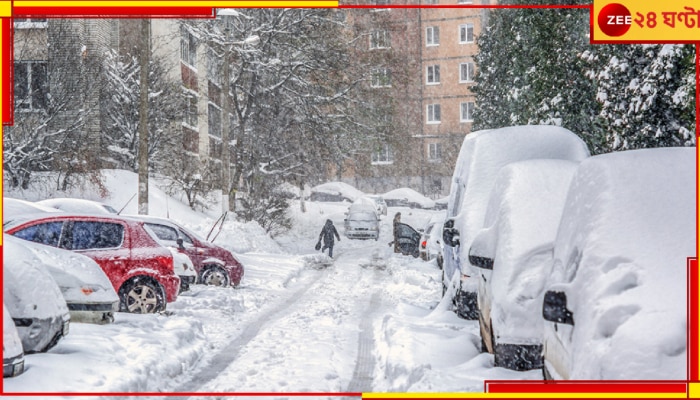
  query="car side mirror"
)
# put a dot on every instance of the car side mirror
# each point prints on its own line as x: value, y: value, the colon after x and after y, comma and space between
x: 554, y: 308
x: 180, y: 244
x: 481, y: 262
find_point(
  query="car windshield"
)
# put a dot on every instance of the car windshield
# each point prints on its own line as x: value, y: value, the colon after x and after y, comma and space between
x: 363, y: 216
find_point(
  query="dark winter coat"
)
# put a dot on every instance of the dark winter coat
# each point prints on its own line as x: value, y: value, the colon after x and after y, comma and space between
x: 327, y: 234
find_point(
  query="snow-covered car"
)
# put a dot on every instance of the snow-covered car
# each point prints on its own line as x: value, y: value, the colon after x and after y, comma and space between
x: 615, y: 305
x: 362, y: 221
x: 12, y: 352
x: 408, y: 238
x: 482, y: 155
x: 406, y: 197
x: 214, y: 265
x: 72, y: 205
x: 512, y: 252
x: 86, y: 289
x: 380, y: 203
x: 431, y: 242
x: 34, y: 300
x: 12, y: 207
x: 335, y: 191
x: 139, y: 268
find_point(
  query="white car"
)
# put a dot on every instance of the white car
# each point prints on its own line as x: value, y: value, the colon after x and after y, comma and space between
x: 12, y: 353
x: 33, y: 299
x: 431, y: 242
x: 78, y: 206
x: 615, y: 305
x: 88, y: 293
x: 512, y: 252
x: 481, y: 157
x: 362, y: 221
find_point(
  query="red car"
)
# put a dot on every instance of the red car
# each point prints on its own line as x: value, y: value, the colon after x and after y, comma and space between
x: 214, y: 264
x: 140, y: 269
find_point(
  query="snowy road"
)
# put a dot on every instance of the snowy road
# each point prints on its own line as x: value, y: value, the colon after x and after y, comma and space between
x: 369, y: 321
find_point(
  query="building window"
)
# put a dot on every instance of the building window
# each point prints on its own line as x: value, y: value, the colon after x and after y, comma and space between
x: 433, y: 75
x: 433, y: 113
x: 434, y: 152
x: 467, y: 111
x: 383, y: 155
x: 381, y: 77
x: 214, y: 66
x: 432, y: 36
x: 379, y: 39
x: 214, y: 120
x: 188, y: 47
x: 466, y: 33
x: 31, y: 87
x: 190, y: 115
x: 466, y: 72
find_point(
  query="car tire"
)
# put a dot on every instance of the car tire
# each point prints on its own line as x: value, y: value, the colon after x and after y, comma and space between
x: 141, y: 295
x: 215, y: 276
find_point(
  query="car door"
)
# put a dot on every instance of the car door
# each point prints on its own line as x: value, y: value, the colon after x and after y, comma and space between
x: 103, y: 241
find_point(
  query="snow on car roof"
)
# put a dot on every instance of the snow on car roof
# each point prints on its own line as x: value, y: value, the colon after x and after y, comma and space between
x: 78, y: 205
x: 12, y: 207
x: 340, y: 188
x: 411, y: 195
x: 628, y: 226
x: 484, y: 153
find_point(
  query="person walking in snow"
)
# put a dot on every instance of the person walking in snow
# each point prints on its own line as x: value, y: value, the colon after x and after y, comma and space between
x: 327, y: 234
x: 397, y: 221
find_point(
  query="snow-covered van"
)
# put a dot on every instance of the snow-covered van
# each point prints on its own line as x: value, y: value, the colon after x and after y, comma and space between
x: 512, y: 252
x: 481, y: 157
x: 615, y: 305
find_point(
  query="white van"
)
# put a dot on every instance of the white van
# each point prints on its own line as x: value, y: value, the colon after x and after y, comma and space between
x: 481, y: 157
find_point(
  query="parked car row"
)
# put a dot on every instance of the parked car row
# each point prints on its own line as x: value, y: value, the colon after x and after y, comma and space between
x: 77, y: 267
x: 572, y: 264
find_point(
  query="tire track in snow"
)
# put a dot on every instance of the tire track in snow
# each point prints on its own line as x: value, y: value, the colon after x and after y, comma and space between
x: 362, y: 376
x: 227, y: 355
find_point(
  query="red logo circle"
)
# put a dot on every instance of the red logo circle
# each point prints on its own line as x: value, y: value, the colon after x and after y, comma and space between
x: 614, y: 19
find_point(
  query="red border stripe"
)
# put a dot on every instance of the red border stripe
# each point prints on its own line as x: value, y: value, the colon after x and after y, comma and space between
x: 126, y: 12
x: 8, y: 100
x: 587, y: 387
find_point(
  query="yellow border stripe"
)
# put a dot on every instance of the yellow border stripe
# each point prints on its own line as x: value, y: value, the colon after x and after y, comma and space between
x: 169, y: 3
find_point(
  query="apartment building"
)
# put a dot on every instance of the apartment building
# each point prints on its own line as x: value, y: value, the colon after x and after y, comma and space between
x: 438, y: 42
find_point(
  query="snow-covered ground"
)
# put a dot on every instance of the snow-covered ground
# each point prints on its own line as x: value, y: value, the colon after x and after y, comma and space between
x: 367, y: 321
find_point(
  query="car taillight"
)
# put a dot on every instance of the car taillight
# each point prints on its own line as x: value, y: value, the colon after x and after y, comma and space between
x: 166, y: 262
x: 423, y: 244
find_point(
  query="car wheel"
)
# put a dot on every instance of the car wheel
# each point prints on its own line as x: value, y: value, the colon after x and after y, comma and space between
x: 215, y: 276
x: 141, y: 296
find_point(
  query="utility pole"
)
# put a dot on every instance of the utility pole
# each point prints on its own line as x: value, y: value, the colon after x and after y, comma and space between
x: 144, y: 59
x: 225, y: 129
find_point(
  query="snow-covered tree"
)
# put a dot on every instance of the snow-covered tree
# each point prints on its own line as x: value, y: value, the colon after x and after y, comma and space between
x: 293, y: 88
x: 121, y: 100
x: 647, y: 93
x: 530, y: 71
